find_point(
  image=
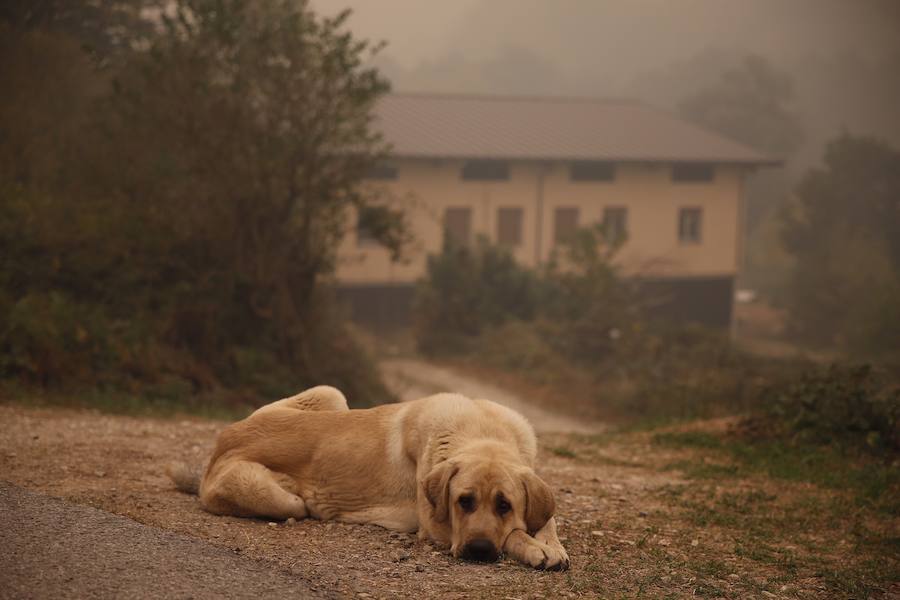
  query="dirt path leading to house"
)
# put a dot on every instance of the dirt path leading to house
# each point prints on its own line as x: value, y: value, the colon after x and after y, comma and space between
x: 411, y: 378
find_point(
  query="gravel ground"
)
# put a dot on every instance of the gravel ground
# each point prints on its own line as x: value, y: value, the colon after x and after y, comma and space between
x: 633, y: 525
x: 53, y: 549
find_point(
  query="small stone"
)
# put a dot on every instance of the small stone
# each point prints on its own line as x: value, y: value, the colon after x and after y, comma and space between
x: 642, y: 514
x: 695, y: 542
x: 597, y: 533
x: 420, y: 568
x: 734, y: 576
x: 100, y: 473
x: 291, y: 521
x: 272, y: 524
x: 663, y: 542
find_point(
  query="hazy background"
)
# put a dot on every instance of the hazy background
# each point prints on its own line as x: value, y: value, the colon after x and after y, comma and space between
x: 843, y: 57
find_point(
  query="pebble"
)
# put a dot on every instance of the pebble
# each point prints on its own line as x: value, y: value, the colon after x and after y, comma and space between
x: 291, y: 521
x: 420, y: 568
x: 597, y: 533
x: 271, y: 524
x: 695, y: 542
x: 734, y: 576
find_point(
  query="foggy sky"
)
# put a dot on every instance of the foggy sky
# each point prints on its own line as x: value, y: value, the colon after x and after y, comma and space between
x: 843, y: 55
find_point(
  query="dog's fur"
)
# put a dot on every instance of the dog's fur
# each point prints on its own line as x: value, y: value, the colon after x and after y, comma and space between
x: 458, y: 471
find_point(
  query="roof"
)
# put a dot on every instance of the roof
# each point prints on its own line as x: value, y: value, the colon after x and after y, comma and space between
x: 504, y: 127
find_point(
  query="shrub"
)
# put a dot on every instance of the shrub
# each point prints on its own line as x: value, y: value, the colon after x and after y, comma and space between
x: 467, y: 290
x: 857, y: 403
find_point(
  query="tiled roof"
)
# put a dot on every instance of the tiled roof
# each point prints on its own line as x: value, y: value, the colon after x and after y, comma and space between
x: 461, y: 126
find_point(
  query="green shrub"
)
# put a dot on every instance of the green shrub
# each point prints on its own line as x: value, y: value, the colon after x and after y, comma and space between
x: 858, y: 404
x: 467, y: 290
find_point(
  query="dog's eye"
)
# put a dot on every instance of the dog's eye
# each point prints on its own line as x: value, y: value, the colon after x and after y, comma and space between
x: 503, y: 506
x: 467, y: 503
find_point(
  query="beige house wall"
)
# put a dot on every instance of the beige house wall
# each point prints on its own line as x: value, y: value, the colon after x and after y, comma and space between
x: 426, y: 188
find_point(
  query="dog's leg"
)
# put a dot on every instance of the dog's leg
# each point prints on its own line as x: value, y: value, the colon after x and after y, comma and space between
x: 321, y: 397
x: 248, y: 489
x: 547, y: 535
x: 541, y: 552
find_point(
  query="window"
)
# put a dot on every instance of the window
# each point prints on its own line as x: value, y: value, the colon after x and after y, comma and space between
x: 458, y: 225
x: 690, y: 225
x: 486, y: 170
x: 615, y: 224
x: 565, y: 224
x: 692, y: 172
x: 509, y: 226
x: 592, y: 170
x: 382, y: 172
x: 366, y: 222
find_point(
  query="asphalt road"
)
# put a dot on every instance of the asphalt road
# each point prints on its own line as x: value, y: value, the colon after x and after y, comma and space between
x: 52, y: 549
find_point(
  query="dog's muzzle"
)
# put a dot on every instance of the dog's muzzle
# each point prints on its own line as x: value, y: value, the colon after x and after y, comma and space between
x: 480, y: 550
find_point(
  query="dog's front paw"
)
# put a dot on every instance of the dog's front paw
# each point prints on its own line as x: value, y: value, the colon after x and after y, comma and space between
x: 557, y: 557
x: 537, y: 554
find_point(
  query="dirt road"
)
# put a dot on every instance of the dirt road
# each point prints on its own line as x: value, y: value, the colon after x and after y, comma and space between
x: 412, y: 378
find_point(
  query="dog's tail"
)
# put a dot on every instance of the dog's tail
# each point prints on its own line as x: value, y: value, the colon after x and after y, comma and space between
x: 185, y: 476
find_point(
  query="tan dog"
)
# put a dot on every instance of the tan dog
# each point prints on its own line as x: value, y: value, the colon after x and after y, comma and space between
x: 460, y: 471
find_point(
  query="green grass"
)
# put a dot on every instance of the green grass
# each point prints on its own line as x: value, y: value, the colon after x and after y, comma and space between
x: 564, y: 452
x: 872, y: 482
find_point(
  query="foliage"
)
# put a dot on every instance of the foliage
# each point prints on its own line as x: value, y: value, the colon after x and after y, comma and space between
x: 468, y: 289
x: 845, y: 236
x: 840, y: 404
x: 169, y: 218
x: 750, y: 104
x: 577, y: 327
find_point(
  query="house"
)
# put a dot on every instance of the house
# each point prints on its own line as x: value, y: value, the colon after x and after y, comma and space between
x: 525, y: 172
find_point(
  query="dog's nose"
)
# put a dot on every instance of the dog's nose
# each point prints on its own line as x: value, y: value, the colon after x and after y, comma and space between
x: 481, y: 550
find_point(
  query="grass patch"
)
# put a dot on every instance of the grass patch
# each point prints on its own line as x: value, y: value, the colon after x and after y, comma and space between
x: 872, y: 482
x: 564, y: 452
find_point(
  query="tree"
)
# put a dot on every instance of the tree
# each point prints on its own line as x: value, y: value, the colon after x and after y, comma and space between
x: 845, y: 236
x: 169, y: 211
x: 750, y: 104
x: 245, y: 130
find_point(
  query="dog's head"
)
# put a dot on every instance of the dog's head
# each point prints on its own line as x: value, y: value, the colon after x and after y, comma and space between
x: 483, y: 500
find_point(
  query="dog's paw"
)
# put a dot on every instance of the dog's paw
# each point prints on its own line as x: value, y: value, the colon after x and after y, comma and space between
x: 557, y: 557
x: 545, y: 556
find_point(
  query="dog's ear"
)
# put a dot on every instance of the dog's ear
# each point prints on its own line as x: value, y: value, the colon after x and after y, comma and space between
x: 539, y: 503
x: 436, y: 486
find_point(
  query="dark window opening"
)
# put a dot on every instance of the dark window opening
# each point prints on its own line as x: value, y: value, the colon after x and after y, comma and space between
x: 382, y: 172
x: 565, y: 224
x: 615, y: 224
x: 458, y: 225
x: 592, y: 170
x: 509, y: 226
x: 693, y: 172
x: 486, y: 170
x: 690, y: 225
x: 366, y: 219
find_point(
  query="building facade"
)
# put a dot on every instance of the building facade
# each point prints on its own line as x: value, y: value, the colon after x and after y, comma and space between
x: 526, y: 172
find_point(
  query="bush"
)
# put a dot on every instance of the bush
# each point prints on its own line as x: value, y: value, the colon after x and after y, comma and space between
x: 856, y: 404
x: 465, y: 291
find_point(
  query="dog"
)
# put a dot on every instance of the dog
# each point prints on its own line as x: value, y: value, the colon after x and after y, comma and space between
x: 458, y: 471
